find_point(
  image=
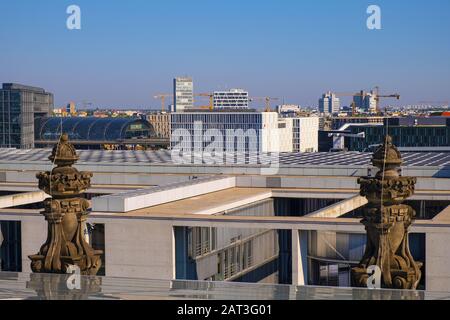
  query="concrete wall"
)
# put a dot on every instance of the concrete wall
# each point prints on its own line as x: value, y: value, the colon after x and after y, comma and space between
x: 143, y: 249
x: 437, y: 276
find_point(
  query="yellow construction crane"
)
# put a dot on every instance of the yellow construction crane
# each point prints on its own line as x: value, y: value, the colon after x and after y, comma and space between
x: 376, y: 93
x: 211, y: 100
x: 163, y: 97
x: 266, y: 100
x: 378, y: 96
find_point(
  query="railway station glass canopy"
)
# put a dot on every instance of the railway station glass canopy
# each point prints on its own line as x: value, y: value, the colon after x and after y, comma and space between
x: 92, y: 128
x: 24, y: 286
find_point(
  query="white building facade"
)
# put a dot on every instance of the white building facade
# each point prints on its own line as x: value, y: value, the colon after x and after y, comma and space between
x: 258, y: 131
x: 305, y: 134
x: 234, y: 99
x: 183, y: 93
x: 329, y: 104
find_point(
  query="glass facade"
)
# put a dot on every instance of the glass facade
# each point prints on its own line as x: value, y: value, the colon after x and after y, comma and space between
x: 403, y: 136
x: 247, y: 122
x: 19, y: 106
x: 331, y: 256
x: 92, y: 129
x: 10, y: 246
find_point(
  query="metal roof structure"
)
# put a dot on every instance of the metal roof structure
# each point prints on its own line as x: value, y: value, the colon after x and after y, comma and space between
x: 89, y: 128
x: 411, y: 159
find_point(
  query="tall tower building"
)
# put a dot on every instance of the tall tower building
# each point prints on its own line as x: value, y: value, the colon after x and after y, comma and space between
x: 19, y: 107
x: 234, y: 99
x: 329, y: 103
x: 183, y: 93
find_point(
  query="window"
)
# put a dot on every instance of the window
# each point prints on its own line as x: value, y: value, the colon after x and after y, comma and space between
x: 201, y: 241
x: 11, y: 246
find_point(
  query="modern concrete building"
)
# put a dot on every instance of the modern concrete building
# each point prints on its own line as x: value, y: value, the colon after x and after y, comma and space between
x: 232, y: 99
x: 329, y: 104
x: 161, y: 123
x: 339, y: 122
x: 183, y: 93
x: 257, y: 131
x: 155, y: 219
x: 288, y: 109
x: 305, y: 134
x: 412, y: 133
x: 20, y: 105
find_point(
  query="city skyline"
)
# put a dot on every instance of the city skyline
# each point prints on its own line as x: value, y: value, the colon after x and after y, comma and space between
x: 126, y: 53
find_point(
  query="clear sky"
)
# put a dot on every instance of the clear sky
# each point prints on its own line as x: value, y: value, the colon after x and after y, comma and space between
x: 127, y: 51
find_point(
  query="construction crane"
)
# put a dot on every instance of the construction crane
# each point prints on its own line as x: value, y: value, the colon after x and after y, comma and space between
x: 163, y: 97
x: 266, y: 100
x: 211, y: 100
x: 378, y: 96
x: 375, y: 92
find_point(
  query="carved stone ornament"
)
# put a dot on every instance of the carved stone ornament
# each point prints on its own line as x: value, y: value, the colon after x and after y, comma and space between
x: 387, y: 221
x: 66, y: 214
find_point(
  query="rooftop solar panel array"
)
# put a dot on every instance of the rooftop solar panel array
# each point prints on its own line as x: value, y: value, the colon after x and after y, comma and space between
x: 161, y: 157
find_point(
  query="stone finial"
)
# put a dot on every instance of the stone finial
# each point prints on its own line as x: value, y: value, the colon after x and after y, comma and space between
x: 66, y: 214
x: 388, y: 159
x: 64, y: 153
x: 387, y: 221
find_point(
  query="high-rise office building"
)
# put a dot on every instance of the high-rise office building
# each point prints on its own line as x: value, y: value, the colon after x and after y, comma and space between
x: 183, y: 93
x: 234, y: 99
x: 366, y: 101
x: 329, y: 103
x: 19, y: 107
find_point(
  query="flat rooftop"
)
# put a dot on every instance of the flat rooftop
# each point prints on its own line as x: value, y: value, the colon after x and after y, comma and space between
x: 163, y: 157
x: 209, y: 203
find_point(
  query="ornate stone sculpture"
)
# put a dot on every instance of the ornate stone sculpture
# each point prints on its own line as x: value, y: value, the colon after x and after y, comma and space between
x: 66, y: 214
x: 387, y: 221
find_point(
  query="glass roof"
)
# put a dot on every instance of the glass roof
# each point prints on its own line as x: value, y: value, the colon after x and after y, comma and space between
x: 89, y: 128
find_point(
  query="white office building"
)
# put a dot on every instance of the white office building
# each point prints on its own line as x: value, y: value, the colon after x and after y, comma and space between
x: 329, y: 104
x: 183, y: 93
x: 234, y: 99
x: 298, y: 134
x: 288, y: 108
x: 195, y: 130
x: 306, y: 134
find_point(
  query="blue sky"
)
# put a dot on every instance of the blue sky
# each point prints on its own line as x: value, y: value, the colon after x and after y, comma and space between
x: 127, y: 51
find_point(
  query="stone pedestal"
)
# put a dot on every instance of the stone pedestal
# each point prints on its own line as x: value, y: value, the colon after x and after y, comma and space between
x: 66, y: 214
x: 387, y: 221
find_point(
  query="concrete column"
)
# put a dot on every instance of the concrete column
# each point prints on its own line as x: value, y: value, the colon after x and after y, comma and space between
x: 299, y: 257
x: 33, y: 234
x: 437, y: 277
